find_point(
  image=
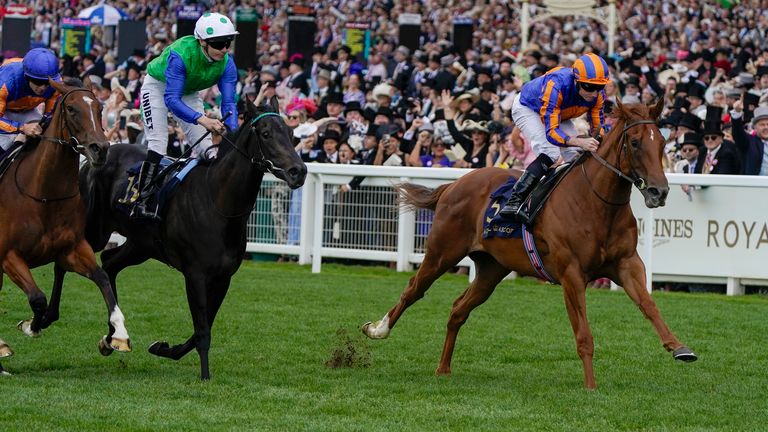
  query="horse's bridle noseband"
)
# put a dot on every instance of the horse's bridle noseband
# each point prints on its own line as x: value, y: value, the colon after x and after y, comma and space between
x: 639, y: 182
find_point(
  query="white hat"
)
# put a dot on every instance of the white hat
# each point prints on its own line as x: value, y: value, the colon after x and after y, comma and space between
x: 115, y: 85
x: 304, y: 130
x: 382, y: 89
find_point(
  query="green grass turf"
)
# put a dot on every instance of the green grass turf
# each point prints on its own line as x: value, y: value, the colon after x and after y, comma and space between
x: 515, y: 366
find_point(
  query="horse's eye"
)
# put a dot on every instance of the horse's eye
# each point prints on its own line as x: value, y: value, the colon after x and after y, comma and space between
x: 70, y: 109
x: 635, y: 142
x: 265, y: 133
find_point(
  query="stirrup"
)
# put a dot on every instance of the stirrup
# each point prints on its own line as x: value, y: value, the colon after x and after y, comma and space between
x: 143, y: 210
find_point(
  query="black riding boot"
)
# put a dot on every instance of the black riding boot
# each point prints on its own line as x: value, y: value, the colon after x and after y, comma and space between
x: 514, y: 208
x: 146, y: 206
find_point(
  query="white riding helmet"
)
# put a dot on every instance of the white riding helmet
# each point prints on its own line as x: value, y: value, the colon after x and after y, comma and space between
x: 214, y: 25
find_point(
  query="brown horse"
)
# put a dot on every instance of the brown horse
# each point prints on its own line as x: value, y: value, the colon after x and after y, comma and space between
x: 43, y: 216
x: 585, y: 231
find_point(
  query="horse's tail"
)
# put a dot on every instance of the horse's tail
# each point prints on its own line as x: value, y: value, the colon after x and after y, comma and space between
x: 412, y: 196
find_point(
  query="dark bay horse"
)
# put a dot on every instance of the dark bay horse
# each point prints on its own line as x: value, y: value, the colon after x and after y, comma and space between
x: 203, y: 229
x: 42, y: 215
x: 585, y: 231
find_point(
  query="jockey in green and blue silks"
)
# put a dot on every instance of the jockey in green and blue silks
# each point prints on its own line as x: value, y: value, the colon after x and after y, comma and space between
x: 187, y: 66
x: 543, y: 110
x: 23, y: 86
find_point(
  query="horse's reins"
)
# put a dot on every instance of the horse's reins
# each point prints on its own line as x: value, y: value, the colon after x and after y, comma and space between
x: 263, y: 164
x: 637, y: 181
x: 74, y: 146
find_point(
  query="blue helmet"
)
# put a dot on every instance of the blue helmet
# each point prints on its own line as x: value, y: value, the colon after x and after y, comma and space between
x: 40, y: 63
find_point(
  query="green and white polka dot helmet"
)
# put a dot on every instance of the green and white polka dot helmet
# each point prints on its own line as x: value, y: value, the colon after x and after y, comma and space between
x: 214, y: 25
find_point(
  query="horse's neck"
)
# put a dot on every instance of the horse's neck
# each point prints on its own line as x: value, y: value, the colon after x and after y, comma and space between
x: 54, y: 167
x: 604, y: 184
x: 234, y: 183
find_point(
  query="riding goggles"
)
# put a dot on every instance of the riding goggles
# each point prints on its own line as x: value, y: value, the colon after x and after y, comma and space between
x: 220, y: 44
x: 589, y: 87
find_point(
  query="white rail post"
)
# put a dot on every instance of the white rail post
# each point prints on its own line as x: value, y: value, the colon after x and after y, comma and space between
x: 317, y: 229
x: 307, y: 219
x: 406, y: 230
x: 648, y: 250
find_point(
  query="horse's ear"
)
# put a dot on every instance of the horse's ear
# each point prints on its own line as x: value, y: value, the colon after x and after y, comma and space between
x: 251, y: 109
x: 87, y: 83
x: 60, y: 87
x: 657, y: 108
x: 274, y: 104
x: 618, y: 111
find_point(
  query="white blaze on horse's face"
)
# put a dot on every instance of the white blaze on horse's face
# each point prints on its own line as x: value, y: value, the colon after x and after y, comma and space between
x: 89, y: 101
x: 652, y: 135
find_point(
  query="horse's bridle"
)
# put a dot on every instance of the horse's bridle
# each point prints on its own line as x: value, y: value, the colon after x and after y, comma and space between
x: 71, y: 143
x: 639, y: 182
x: 261, y: 162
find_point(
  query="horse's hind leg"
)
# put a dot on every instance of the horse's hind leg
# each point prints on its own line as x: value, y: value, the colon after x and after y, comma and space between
x: 83, y: 262
x: 433, y: 266
x: 631, y: 276
x: 489, y: 274
x: 18, y: 271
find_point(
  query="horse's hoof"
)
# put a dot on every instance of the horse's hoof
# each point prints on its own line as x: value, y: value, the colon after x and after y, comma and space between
x: 121, y: 345
x: 685, y: 354
x: 4, y: 372
x: 105, y: 348
x: 26, y: 327
x: 373, y: 331
x: 157, y: 347
x: 441, y: 371
x: 5, y: 351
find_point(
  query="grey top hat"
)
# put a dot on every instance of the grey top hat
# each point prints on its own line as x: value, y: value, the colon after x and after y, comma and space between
x: 761, y: 113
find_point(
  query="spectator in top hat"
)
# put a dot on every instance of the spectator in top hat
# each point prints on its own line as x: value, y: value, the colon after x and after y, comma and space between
x: 689, y: 143
x: 688, y: 123
x: 297, y: 79
x: 696, y: 100
x: 753, y: 148
x: 330, y: 142
x: 720, y: 157
x: 403, y: 68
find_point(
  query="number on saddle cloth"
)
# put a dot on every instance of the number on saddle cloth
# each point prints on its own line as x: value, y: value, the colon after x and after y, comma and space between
x: 172, y: 173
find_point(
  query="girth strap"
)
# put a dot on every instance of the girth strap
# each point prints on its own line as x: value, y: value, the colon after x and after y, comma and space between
x: 533, y: 255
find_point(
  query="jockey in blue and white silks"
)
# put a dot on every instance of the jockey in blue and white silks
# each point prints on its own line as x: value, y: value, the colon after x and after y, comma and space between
x: 542, y: 111
x: 187, y: 66
x: 24, y: 86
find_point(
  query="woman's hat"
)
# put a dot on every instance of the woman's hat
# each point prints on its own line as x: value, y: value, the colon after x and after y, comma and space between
x: 472, y: 96
x: 472, y: 126
x: 304, y: 130
x: 115, y: 85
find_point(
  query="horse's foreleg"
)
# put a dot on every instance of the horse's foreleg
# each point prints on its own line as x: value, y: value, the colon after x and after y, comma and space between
x: 631, y: 276
x: 197, y: 297
x: 433, y: 266
x: 18, y: 271
x: 574, y: 291
x: 52, y: 313
x: 114, y: 260
x: 83, y: 262
x: 489, y: 274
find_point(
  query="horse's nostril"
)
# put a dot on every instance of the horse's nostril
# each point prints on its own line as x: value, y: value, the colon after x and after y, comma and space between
x: 654, y: 191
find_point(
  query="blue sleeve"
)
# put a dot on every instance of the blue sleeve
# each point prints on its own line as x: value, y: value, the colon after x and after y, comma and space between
x: 175, y: 77
x: 227, y: 86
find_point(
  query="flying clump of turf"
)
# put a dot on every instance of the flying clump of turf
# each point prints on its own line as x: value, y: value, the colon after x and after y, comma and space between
x: 349, y: 351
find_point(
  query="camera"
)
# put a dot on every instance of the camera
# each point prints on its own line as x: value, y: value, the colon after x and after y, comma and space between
x: 123, y: 120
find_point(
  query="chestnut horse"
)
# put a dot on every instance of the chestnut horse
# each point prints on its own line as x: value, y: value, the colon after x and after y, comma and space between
x: 586, y: 230
x: 42, y: 216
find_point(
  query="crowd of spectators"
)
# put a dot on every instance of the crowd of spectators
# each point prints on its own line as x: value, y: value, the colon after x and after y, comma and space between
x: 437, y: 107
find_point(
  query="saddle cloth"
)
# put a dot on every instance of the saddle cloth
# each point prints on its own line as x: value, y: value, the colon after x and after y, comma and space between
x: 496, y: 226
x: 171, y: 175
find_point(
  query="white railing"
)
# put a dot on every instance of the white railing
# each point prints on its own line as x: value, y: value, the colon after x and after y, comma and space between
x: 720, y: 235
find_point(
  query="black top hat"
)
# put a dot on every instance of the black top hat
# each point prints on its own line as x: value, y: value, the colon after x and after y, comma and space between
x: 353, y: 106
x: 633, y: 80
x: 690, y: 121
x: 681, y: 87
x: 712, y: 128
x: 139, y: 52
x: 484, y: 71
x: 751, y: 99
x: 761, y: 70
x: 331, y: 134
x: 372, y: 128
x: 385, y: 111
x: 697, y: 90
x: 346, y: 49
x: 714, y: 114
x: 336, y: 98
x: 680, y: 103
x: 691, y: 138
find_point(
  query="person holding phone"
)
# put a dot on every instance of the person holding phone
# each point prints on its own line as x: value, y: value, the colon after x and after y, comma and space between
x: 187, y: 66
x: 542, y: 111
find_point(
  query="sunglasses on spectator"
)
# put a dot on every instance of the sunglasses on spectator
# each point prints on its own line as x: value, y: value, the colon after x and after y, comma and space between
x: 220, y: 45
x: 587, y: 87
x: 688, y: 149
x: 711, y: 137
x: 294, y: 117
x: 38, y: 81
